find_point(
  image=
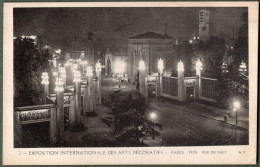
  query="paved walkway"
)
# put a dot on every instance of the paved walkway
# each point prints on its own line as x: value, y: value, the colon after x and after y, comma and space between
x: 210, y: 112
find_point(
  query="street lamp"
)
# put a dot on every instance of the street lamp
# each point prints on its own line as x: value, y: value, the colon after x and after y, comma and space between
x: 180, y: 66
x: 236, y: 106
x: 160, y: 66
x: 153, y: 116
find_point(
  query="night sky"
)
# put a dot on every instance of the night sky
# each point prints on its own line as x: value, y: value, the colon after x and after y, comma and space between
x: 63, y: 22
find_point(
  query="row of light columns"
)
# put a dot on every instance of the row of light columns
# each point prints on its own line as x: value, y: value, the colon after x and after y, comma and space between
x: 75, y: 106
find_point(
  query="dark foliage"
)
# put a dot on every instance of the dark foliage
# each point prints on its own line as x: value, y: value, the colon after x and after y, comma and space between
x: 29, y: 63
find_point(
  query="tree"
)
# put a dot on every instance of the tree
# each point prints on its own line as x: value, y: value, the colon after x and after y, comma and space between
x: 131, y: 117
x: 234, y: 84
x: 118, y: 104
x: 29, y: 63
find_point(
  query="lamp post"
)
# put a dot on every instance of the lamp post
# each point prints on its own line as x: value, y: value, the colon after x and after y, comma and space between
x: 199, y: 68
x: 181, y: 87
x: 141, y: 77
x: 236, y: 106
x: 160, y: 71
x: 45, y: 82
x: 60, y: 108
x: 98, y: 73
x: 153, y: 116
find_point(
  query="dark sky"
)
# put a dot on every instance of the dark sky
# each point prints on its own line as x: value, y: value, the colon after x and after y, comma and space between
x: 181, y: 22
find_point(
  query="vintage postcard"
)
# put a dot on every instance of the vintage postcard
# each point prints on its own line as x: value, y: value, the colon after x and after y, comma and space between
x: 130, y: 83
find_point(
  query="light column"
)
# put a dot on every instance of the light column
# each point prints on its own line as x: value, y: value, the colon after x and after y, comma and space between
x: 90, y: 107
x: 77, y: 92
x: 45, y: 82
x: 160, y: 73
x: 142, y: 77
x: 60, y: 109
x: 98, y: 86
x: 198, y: 80
x: 181, y: 87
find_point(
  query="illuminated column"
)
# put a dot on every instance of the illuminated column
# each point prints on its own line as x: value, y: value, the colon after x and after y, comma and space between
x: 142, y: 77
x: 72, y: 113
x: 198, y: 80
x: 77, y: 91
x: 181, y: 87
x: 242, y: 68
x: 63, y: 74
x: 45, y: 82
x: 60, y: 109
x: 90, y: 92
x: 98, y: 85
x: 160, y: 71
x: 85, y: 99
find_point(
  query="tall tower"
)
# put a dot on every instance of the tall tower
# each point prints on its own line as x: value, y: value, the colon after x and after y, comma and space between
x: 204, y: 25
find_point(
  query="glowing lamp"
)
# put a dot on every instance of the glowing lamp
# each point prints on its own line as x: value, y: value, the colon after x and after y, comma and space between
x: 199, y: 65
x: 84, y: 63
x: 236, y: 105
x: 74, y: 67
x: 160, y: 65
x: 180, y: 66
x: 153, y: 115
x: 141, y: 65
x: 77, y: 76
x: 59, y: 84
x: 89, y: 71
x: 63, y: 72
x: 242, y: 66
x: 45, y: 78
x: 55, y: 73
x: 67, y: 63
x: 98, y: 66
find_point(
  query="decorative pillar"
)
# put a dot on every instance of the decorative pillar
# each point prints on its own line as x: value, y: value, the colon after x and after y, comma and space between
x: 142, y: 77
x: 72, y: 112
x: 45, y: 82
x: 181, y: 86
x: 98, y: 84
x: 90, y: 91
x: 77, y: 92
x: 63, y: 74
x: 53, y: 127
x: 60, y: 110
x: 18, y: 136
x: 198, y: 80
x: 85, y: 99
x: 160, y: 73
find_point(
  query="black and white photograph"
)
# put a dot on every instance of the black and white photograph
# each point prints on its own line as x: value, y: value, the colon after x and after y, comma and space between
x: 131, y: 77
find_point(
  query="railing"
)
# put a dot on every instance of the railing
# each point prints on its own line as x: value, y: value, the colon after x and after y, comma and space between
x: 208, y: 87
x: 170, y: 86
x: 34, y: 114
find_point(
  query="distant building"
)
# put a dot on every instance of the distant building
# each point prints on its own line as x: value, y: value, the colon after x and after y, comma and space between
x: 149, y: 47
x: 204, y: 25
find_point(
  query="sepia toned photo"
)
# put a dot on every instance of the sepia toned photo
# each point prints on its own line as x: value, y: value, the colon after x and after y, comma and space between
x: 124, y: 81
